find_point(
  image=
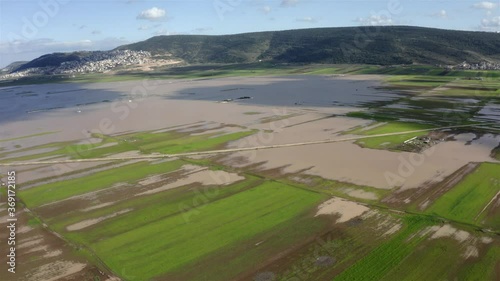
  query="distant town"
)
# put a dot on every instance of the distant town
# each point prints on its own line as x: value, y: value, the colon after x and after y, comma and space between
x: 476, y: 66
x: 104, y: 61
x: 95, y: 62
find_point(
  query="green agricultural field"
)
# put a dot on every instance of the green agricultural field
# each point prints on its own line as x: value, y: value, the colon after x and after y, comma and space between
x: 144, y: 142
x: 177, y: 241
x: 388, y: 142
x: 418, y: 82
x: 147, y: 209
x: 384, y: 258
x: 484, y: 268
x: 468, y: 201
x: 51, y: 192
x: 486, y: 88
x: 244, y: 255
x: 189, y: 143
x: 431, y: 260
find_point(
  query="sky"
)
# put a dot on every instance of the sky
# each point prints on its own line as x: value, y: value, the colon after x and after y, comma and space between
x: 31, y: 28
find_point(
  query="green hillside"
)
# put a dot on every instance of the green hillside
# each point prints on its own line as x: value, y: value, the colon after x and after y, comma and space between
x: 360, y: 45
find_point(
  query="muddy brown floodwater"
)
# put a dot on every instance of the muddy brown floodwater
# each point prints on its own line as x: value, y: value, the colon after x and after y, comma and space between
x: 283, y: 109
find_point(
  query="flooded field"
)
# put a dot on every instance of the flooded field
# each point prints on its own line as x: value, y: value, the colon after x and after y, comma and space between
x: 387, y: 170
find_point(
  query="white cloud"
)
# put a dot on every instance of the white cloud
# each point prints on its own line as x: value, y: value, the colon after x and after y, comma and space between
x: 441, y: 14
x: 491, y: 24
x: 375, y: 20
x: 307, y: 19
x: 485, y: 5
x: 152, y: 14
x: 266, y: 9
x: 288, y: 3
x: 143, y: 27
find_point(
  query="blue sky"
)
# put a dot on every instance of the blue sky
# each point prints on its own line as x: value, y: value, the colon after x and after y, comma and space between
x: 30, y: 28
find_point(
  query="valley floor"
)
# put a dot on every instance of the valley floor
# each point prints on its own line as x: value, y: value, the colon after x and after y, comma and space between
x: 407, y: 189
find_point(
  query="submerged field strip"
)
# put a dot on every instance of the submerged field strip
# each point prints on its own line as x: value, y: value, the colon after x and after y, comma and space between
x: 221, y: 151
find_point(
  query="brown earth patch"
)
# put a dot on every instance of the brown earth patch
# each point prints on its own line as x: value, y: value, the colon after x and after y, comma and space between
x: 50, y: 259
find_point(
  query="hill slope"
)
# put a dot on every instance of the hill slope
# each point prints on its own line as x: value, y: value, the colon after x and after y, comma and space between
x: 389, y: 45
x: 363, y: 45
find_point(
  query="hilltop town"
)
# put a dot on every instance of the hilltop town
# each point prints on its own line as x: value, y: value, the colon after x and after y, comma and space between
x: 94, y: 62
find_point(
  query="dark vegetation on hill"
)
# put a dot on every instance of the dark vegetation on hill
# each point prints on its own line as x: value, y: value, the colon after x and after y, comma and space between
x: 54, y: 59
x: 388, y: 45
x: 352, y: 45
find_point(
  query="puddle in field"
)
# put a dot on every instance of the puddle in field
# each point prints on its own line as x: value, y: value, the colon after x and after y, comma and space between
x: 361, y: 194
x: 90, y: 222
x: 89, y: 195
x: 30, y: 242
x: 98, y: 206
x: 55, y: 271
x: 449, y: 231
x: 471, y: 251
x: 198, y: 174
x: 346, y: 209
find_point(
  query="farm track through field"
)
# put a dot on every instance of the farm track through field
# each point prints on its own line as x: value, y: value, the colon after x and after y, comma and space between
x: 232, y: 150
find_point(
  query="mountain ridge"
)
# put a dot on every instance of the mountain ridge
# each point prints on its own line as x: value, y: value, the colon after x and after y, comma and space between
x: 376, y: 45
x: 383, y: 45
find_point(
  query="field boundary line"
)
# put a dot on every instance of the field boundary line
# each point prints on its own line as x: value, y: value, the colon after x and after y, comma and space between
x: 487, y: 205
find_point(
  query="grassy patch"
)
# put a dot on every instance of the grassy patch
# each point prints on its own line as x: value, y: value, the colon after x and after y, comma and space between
x: 392, y: 127
x: 245, y: 254
x: 252, y: 113
x: 174, y: 241
x: 277, y: 118
x: 389, y: 142
x: 388, y: 255
x: 484, y: 268
x: 435, y: 259
x: 52, y: 192
x: 148, y: 209
x: 418, y: 82
x: 144, y: 142
x: 194, y: 143
x: 466, y: 201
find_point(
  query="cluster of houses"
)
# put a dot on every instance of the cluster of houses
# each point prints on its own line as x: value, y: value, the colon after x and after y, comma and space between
x: 475, y: 66
x: 94, y: 62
